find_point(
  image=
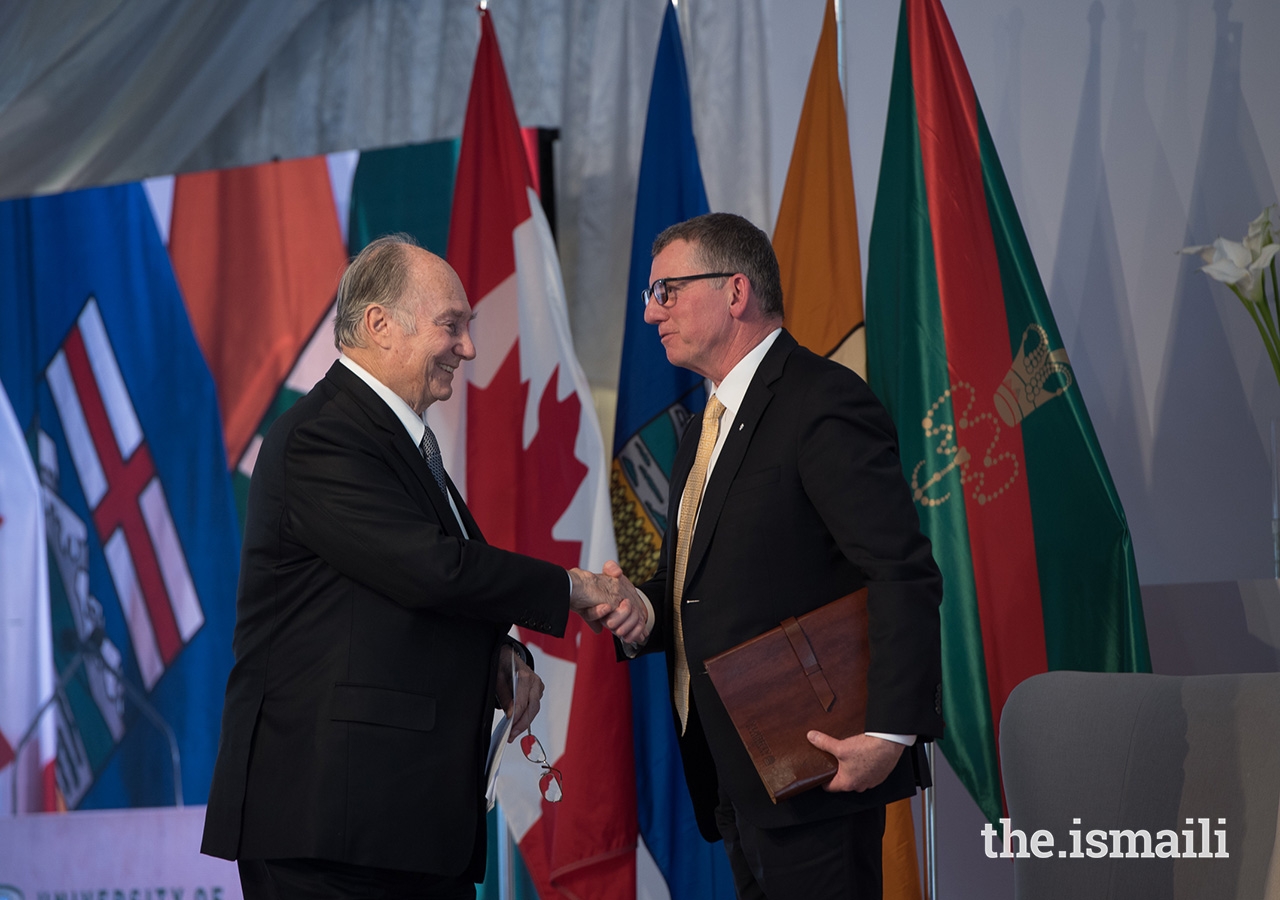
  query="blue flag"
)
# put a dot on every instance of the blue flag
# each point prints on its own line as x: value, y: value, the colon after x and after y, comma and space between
x: 655, y: 402
x: 119, y: 411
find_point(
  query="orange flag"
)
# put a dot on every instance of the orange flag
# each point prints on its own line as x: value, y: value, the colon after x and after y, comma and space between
x: 816, y: 240
x: 816, y: 235
x: 258, y: 253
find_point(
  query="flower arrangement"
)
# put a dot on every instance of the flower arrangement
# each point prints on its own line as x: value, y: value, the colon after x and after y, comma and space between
x: 1244, y: 267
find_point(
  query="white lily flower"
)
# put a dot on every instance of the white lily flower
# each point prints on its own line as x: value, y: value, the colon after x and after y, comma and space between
x: 1244, y: 267
x: 1260, y: 231
x: 1242, y: 264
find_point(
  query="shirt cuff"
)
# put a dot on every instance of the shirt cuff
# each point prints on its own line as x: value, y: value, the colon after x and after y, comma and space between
x: 631, y: 650
x: 906, y: 739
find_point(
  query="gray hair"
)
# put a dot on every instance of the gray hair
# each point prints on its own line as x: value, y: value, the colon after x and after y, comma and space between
x: 378, y: 275
x: 728, y: 243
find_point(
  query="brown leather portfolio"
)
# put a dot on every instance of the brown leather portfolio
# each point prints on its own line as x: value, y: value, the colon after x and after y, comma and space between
x: 808, y: 673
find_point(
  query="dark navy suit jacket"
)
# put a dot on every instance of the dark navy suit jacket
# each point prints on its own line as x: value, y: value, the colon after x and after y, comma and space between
x: 806, y: 503
x: 367, y: 634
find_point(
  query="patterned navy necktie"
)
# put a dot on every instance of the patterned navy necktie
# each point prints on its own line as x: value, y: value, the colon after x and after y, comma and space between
x: 430, y: 451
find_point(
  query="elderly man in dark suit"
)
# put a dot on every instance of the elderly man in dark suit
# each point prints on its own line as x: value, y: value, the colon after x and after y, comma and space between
x: 371, y: 641
x: 786, y: 495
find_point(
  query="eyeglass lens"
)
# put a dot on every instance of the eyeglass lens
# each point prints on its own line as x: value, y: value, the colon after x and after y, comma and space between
x: 551, y: 782
x: 660, y: 292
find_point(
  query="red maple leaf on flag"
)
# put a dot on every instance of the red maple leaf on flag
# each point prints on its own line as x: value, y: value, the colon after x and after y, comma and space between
x: 584, y: 845
x: 518, y: 493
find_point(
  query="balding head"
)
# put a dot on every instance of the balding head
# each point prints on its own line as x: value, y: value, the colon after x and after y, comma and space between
x: 402, y: 314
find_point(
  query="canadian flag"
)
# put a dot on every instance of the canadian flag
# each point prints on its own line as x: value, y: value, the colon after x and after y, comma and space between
x: 521, y: 433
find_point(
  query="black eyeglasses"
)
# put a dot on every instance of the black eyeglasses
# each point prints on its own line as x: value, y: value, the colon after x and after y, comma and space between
x: 552, y: 782
x: 658, y: 293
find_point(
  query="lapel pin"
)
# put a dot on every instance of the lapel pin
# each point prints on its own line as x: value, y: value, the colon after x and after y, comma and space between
x: 742, y: 425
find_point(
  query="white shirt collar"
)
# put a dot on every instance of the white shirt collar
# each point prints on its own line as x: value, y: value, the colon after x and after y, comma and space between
x: 404, y: 412
x: 733, y: 388
x: 412, y: 422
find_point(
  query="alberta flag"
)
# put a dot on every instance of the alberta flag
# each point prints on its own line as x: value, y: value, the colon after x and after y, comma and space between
x: 656, y: 400
x: 121, y: 421
x: 521, y: 433
x: 1008, y: 478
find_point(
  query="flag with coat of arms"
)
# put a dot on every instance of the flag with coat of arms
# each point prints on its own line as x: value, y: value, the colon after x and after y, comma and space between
x: 119, y: 414
x: 656, y: 400
x: 1002, y: 459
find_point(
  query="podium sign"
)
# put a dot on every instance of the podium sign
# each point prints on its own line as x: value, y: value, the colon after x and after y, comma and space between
x: 112, y: 854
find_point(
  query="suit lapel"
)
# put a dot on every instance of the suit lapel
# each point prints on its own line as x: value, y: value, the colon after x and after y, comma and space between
x: 413, y: 458
x: 390, y: 431
x: 733, y: 451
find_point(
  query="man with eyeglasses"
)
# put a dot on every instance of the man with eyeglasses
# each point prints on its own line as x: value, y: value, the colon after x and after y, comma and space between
x: 791, y: 493
x: 371, y: 629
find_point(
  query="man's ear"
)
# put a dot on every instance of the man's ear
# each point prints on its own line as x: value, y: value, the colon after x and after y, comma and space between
x: 740, y: 296
x: 377, y: 325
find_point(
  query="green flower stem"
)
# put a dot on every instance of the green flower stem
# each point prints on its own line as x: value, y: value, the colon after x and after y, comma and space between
x: 1262, y: 306
x: 1275, y: 287
x: 1266, y: 325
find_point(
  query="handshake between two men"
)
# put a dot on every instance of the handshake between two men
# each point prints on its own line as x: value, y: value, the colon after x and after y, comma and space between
x: 606, y: 600
x: 609, y: 600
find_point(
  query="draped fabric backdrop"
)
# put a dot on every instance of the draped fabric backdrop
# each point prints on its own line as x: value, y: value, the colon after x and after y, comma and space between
x: 1125, y: 128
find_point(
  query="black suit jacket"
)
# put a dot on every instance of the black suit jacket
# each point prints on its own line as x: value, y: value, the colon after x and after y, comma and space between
x: 806, y: 503
x: 367, y: 633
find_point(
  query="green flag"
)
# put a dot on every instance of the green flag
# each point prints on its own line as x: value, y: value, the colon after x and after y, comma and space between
x: 407, y: 189
x: 1007, y: 474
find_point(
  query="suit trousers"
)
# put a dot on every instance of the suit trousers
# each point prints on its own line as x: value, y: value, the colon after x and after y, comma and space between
x: 832, y: 859
x: 318, y: 879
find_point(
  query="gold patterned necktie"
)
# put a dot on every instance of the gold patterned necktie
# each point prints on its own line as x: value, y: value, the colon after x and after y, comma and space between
x: 688, y: 515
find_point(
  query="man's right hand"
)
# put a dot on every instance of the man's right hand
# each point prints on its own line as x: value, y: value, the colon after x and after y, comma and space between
x: 610, y: 600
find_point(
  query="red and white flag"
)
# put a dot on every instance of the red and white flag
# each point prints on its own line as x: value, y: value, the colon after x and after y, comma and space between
x: 26, y: 648
x: 521, y: 434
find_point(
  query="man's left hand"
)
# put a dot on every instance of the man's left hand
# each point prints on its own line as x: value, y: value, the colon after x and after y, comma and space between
x: 864, y: 761
x: 524, y: 706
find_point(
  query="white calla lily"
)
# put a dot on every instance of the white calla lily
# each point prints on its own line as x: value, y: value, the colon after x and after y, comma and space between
x: 1244, y: 267
x: 1240, y: 264
x: 1235, y: 267
x: 1261, y: 231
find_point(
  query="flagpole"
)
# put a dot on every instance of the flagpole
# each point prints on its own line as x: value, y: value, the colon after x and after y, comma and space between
x: 840, y: 47
x: 506, y: 843
x: 683, y: 18
x: 930, y: 858
x: 506, y: 889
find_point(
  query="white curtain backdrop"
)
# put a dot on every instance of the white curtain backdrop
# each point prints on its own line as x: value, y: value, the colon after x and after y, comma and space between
x: 106, y: 91
x: 1127, y: 128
